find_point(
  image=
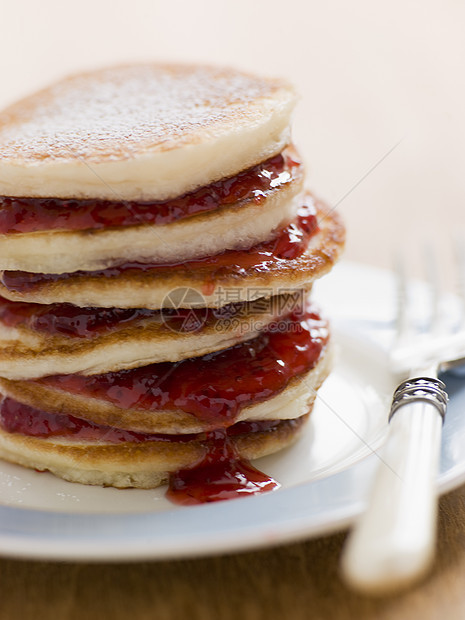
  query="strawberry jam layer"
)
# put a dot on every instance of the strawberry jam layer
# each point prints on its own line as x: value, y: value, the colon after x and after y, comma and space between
x: 216, y: 386
x: 19, y: 418
x: 16, y: 417
x: 221, y: 474
x: 290, y: 243
x: 69, y: 320
x: 75, y: 322
x: 23, y: 215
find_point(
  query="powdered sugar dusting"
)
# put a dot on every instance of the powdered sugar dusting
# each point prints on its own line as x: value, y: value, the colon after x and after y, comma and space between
x: 118, y: 113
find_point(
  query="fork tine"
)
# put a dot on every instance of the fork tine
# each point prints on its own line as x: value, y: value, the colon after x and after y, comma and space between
x: 459, y: 259
x: 458, y: 254
x: 403, y: 327
x: 436, y: 318
x: 419, y: 345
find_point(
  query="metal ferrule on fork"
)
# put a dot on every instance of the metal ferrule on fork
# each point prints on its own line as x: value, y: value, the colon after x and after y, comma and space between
x: 423, y: 389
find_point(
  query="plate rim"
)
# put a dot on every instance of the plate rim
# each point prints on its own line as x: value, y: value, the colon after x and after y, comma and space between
x: 243, y: 525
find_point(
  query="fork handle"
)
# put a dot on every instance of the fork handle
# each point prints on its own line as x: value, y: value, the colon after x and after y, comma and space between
x: 393, y: 543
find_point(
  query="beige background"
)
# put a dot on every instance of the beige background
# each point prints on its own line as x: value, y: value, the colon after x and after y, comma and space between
x: 371, y: 75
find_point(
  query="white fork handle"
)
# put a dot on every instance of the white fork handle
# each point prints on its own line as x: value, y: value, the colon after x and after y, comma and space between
x: 393, y: 543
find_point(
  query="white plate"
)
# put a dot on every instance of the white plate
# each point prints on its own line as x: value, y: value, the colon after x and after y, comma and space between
x: 324, y: 477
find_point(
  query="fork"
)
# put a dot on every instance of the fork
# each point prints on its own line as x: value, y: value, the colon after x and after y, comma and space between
x: 393, y: 543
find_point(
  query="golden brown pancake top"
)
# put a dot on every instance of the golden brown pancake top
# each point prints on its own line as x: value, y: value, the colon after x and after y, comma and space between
x: 118, y: 113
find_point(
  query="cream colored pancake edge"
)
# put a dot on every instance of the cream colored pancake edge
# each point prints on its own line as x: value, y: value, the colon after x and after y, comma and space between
x: 292, y: 402
x: 27, y: 354
x: 178, y: 172
x: 207, y: 234
x: 146, y: 291
x: 127, y: 465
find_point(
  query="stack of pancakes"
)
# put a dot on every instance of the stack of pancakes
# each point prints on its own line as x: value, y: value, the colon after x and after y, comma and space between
x: 157, y: 249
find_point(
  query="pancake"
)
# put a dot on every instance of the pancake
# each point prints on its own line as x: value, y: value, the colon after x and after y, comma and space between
x: 130, y: 197
x: 292, y: 402
x: 145, y: 131
x: 234, y: 226
x: 26, y: 351
x: 134, y: 464
x: 149, y: 288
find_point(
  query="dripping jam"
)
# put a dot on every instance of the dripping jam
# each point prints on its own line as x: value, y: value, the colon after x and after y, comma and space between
x: 220, y: 474
x: 290, y: 243
x: 214, y: 387
x: 23, y: 215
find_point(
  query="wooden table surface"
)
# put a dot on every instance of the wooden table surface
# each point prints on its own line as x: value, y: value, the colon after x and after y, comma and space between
x: 381, y: 125
x: 294, y: 581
